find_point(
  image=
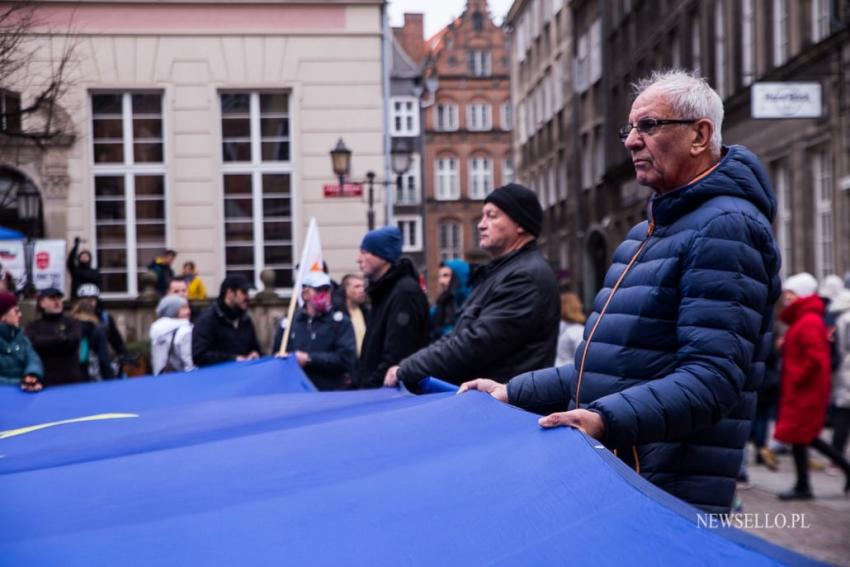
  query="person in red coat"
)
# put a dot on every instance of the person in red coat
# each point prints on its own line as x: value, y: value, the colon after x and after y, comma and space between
x: 805, y: 381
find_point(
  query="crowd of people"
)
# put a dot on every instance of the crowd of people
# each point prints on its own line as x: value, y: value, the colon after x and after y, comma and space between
x: 674, y: 368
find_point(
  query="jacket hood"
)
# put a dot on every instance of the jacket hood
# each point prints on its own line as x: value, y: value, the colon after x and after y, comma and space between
x: 803, y: 306
x: 166, y: 325
x: 840, y: 302
x: 738, y: 174
x: 460, y: 279
x: 400, y: 269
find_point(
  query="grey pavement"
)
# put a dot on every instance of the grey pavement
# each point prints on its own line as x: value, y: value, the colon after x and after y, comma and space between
x: 825, y: 530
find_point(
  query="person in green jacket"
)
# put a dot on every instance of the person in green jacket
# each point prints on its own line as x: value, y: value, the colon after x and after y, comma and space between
x: 19, y: 363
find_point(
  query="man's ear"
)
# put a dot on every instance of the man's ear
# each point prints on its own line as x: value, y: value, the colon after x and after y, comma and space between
x: 702, y: 141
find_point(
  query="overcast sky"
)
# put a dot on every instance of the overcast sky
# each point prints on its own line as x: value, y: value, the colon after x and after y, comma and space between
x: 439, y: 13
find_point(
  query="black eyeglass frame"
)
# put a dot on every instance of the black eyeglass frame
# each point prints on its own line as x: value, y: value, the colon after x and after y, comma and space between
x: 649, y: 125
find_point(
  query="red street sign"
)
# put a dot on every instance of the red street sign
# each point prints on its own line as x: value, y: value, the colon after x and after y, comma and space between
x: 347, y: 190
x: 42, y: 260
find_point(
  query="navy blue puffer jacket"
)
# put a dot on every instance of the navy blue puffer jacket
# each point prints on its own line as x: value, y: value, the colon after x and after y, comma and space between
x: 673, y: 356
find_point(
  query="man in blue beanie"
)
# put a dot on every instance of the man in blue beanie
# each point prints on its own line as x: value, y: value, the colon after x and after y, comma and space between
x: 398, y: 324
x: 509, y: 323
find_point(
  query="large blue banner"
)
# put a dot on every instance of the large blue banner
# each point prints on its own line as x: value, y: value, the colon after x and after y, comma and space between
x: 243, y: 464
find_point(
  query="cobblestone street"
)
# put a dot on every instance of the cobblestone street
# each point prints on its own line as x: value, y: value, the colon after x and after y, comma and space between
x: 826, y: 531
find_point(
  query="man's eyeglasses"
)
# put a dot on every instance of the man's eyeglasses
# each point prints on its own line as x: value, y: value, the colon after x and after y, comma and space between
x: 648, y: 126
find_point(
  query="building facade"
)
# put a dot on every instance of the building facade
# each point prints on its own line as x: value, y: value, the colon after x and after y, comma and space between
x: 467, y: 133
x: 541, y: 51
x: 736, y: 45
x: 205, y: 127
x: 407, y: 86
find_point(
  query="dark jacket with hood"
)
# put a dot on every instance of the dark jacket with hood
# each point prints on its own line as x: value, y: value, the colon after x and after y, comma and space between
x: 398, y: 323
x: 57, y: 338
x: 447, y: 308
x: 222, y: 333
x: 81, y: 272
x: 329, y: 340
x: 675, y: 347
x: 508, y: 325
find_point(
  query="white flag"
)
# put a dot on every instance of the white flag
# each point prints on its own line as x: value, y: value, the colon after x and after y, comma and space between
x: 311, y: 258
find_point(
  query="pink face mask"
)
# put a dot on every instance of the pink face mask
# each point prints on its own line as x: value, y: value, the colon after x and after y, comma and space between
x: 321, y: 301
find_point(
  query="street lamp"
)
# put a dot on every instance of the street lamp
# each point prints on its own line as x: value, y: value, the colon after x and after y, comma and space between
x: 401, y: 159
x: 341, y: 161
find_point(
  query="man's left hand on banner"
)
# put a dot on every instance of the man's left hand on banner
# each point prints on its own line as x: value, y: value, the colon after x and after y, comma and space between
x: 588, y: 421
x: 391, y: 377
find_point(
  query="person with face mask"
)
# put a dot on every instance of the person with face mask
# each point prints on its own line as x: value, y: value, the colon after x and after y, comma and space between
x: 321, y: 338
x: 81, y: 269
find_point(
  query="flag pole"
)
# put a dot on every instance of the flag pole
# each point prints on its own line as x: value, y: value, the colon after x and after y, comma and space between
x: 303, y: 268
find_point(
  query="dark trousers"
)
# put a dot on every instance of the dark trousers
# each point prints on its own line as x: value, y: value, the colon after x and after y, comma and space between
x: 840, y: 428
x: 801, y: 461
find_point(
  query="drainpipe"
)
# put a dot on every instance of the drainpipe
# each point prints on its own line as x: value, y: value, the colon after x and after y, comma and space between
x: 386, y: 64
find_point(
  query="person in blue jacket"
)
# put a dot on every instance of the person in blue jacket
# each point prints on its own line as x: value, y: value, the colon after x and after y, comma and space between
x: 675, y: 348
x: 321, y: 338
x: 453, y: 282
x: 20, y: 364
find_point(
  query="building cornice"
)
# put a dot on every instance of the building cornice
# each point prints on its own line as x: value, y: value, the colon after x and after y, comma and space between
x: 223, y: 2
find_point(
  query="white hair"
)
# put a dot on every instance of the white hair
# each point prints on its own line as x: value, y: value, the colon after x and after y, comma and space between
x: 690, y: 96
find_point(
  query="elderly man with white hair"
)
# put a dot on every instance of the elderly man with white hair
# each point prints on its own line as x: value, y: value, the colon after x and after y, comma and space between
x: 674, y: 350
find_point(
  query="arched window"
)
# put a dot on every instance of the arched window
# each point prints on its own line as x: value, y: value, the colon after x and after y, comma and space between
x: 20, y: 203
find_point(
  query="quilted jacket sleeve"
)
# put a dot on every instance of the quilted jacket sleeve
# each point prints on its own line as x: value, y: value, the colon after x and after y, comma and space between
x: 724, y: 290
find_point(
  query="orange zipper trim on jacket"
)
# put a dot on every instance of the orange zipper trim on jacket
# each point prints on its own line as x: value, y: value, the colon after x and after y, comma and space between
x: 650, y: 229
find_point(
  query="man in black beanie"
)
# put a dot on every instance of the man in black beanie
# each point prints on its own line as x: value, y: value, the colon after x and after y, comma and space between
x: 509, y: 324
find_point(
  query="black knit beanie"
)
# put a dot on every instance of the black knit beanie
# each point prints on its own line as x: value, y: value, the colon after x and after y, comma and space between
x: 520, y: 204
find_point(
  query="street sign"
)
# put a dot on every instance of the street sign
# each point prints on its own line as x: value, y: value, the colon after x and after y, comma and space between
x: 786, y: 100
x: 347, y: 190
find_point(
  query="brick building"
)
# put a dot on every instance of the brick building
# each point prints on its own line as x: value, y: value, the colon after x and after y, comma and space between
x: 467, y: 133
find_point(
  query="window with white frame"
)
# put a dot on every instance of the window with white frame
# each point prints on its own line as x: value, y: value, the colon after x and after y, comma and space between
x: 581, y: 65
x: 450, y: 240
x: 552, y: 184
x: 508, y: 175
x: 129, y: 186
x: 411, y: 232
x: 479, y: 116
x: 562, y: 176
x: 748, y: 43
x: 782, y: 183
x: 719, y: 50
x: 586, y: 162
x: 480, y: 177
x: 446, y: 117
x: 539, y: 187
x: 595, y: 51
x: 407, y: 184
x: 696, y: 45
x: 598, y: 154
x: 675, y: 50
x: 822, y: 183
x: 479, y: 62
x: 558, y: 82
x: 821, y: 16
x: 257, y: 185
x: 506, y: 116
x: 405, y: 119
x: 448, y: 186
x: 780, y: 32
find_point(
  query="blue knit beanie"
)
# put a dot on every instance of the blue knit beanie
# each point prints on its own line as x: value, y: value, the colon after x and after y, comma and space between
x: 384, y: 242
